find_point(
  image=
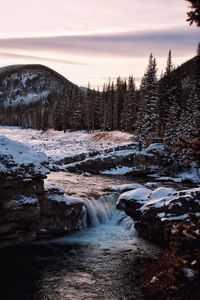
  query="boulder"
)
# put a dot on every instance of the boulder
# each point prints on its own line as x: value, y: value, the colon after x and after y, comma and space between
x: 152, y: 211
x: 59, y: 213
x: 132, y: 201
x: 28, y: 210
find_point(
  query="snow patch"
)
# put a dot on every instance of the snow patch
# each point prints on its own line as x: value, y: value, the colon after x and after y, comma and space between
x: 27, y: 99
x: 68, y: 200
x: 21, y: 201
x: 14, y: 155
x: 58, y: 145
x: 140, y: 194
x: 117, y: 171
x: 126, y: 187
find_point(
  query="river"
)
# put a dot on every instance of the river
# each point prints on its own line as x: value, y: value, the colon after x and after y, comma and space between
x: 94, y: 263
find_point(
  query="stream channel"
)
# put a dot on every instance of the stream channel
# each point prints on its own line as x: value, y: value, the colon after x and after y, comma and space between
x: 94, y: 263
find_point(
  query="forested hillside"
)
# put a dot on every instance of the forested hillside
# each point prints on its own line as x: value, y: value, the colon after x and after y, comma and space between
x: 34, y: 96
x: 37, y: 97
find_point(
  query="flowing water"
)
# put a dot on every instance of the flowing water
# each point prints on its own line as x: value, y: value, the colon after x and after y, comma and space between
x: 94, y: 263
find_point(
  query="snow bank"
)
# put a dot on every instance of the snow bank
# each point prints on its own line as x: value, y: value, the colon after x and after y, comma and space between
x: 15, y: 155
x: 58, y: 145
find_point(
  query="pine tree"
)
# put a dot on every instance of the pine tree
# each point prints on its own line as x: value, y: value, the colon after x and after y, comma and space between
x: 107, y: 107
x: 150, y: 98
x: 77, y: 113
x: 190, y: 117
x: 112, y: 100
x: 101, y: 107
x: 89, y: 114
x: 170, y: 66
x: 129, y: 113
x: 141, y: 105
x: 166, y: 94
x: 58, y: 113
x: 171, y: 132
x: 98, y: 109
x: 194, y: 14
x: 66, y: 113
x: 120, y: 94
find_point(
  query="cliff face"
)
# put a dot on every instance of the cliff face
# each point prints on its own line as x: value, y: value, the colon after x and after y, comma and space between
x: 28, y: 210
x: 29, y: 95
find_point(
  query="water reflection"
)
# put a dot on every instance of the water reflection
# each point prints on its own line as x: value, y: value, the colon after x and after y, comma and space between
x: 96, y: 263
x: 47, y: 272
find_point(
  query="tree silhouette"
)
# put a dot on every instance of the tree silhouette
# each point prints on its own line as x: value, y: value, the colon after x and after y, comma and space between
x: 194, y: 14
x: 198, y: 49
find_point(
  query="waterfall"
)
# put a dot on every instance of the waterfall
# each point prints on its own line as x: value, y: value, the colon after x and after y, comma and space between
x: 103, y: 211
x: 102, y: 225
x: 98, y: 211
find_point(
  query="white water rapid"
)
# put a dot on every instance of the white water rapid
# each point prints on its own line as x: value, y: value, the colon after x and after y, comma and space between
x: 103, y: 226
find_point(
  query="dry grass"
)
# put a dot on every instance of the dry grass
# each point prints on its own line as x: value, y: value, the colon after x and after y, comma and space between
x: 116, y: 137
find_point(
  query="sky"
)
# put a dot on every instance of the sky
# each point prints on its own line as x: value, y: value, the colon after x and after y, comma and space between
x: 92, y: 40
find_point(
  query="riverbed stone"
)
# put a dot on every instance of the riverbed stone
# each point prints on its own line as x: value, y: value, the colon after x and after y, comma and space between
x: 158, y: 209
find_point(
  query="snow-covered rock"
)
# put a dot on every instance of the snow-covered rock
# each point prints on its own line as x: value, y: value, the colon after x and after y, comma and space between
x: 108, y: 153
x: 18, y: 159
x: 28, y: 210
x: 132, y: 201
x: 140, y: 194
x: 156, y: 148
x: 152, y: 210
x: 59, y: 213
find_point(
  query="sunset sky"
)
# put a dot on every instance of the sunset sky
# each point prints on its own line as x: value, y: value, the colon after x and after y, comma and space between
x: 92, y: 40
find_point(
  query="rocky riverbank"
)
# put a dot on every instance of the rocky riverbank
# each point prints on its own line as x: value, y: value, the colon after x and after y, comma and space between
x: 171, y: 219
x: 28, y: 210
x: 155, y: 209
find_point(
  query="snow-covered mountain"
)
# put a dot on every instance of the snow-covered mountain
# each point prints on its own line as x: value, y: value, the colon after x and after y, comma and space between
x: 29, y: 94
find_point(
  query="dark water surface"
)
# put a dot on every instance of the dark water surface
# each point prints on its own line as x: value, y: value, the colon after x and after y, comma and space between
x: 94, y: 263
x: 41, y: 272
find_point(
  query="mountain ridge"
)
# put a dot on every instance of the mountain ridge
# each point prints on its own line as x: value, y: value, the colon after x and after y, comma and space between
x: 36, y: 96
